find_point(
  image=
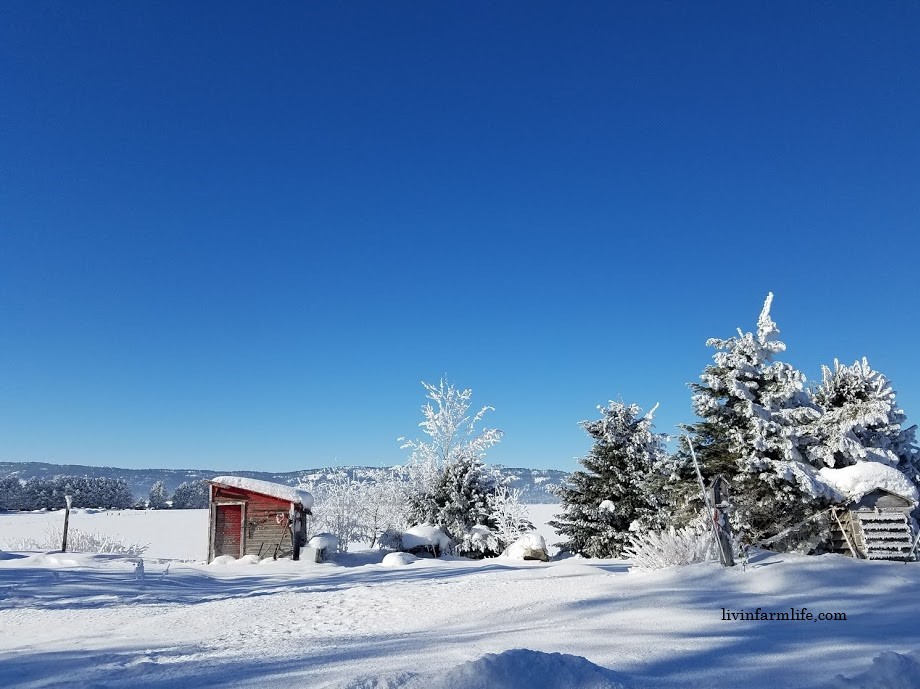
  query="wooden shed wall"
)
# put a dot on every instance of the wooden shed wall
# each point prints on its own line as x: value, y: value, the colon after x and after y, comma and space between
x: 263, y: 532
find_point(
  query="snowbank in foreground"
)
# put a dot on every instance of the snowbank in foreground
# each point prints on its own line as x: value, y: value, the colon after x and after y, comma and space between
x: 889, y: 670
x: 520, y: 668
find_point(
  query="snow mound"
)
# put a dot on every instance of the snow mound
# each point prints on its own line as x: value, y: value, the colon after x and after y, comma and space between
x: 530, y: 546
x: 249, y: 560
x: 857, y: 480
x: 398, y: 559
x: 223, y: 560
x: 424, y: 536
x: 324, y: 541
x: 275, y: 490
x: 889, y: 670
x: 519, y: 668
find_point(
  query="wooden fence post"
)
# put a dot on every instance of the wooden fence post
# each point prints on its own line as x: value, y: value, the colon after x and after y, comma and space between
x: 66, y: 522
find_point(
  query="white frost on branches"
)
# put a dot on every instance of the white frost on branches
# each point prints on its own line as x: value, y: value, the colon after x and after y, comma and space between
x: 511, y: 516
x: 860, y: 421
x: 659, y: 549
x: 451, y: 430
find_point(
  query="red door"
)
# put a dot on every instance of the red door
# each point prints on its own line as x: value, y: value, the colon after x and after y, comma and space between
x: 228, y: 530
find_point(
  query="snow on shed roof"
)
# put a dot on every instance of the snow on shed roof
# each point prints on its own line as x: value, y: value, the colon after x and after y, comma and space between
x: 857, y: 480
x: 275, y: 490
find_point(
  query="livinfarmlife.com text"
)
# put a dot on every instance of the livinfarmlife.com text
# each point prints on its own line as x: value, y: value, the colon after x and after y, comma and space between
x: 790, y: 615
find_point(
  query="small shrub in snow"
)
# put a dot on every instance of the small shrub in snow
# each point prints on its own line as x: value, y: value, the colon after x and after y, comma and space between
x: 480, y: 542
x: 423, y: 538
x: 660, y: 549
x: 509, y: 514
x: 390, y: 539
x: 80, y: 542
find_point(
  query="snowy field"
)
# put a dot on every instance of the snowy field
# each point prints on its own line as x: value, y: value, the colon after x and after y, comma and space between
x: 94, y: 621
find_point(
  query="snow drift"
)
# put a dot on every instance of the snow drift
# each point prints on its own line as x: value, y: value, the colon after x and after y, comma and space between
x: 519, y: 668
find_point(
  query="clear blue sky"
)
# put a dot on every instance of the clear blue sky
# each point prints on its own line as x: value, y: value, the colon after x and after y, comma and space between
x: 238, y: 236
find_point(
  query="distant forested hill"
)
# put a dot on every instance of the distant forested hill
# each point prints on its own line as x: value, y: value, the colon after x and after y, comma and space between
x: 533, y: 483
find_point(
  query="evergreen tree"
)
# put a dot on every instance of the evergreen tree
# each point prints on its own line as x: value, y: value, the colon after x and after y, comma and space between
x: 860, y: 421
x: 459, y: 500
x: 613, y: 495
x: 191, y: 495
x: 10, y: 493
x: 753, y: 431
x: 158, y: 496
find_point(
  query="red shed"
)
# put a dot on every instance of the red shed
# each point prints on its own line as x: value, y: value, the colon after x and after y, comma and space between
x: 251, y: 517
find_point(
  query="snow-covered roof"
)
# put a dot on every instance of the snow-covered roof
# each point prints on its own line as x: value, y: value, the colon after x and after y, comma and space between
x: 860, y: 479
x: 275, y: 490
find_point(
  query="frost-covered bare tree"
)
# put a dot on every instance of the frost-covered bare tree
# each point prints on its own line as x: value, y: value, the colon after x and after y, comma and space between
x: 511, y: 516
x: 383, y: 498
x: 452, y: 433
x: 337, y: 507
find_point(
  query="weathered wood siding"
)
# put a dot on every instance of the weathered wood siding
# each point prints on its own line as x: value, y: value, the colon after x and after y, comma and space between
x: 228, y: 532
x: 267, y: 532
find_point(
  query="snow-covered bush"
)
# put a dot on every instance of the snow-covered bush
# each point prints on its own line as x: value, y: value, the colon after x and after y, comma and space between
x: 426, y: 538
x: 670, y: 547
x: 509, y: 514
x: 383, y: 502
x: 480, y: 541
x: 79, y: 542
x: 390, y: 539
x: 339, y: 507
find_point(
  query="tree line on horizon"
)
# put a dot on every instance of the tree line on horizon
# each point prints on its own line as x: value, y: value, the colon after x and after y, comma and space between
x: 100, y: 492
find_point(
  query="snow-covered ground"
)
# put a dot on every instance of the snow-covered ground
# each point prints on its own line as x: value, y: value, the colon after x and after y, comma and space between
x: 96, y: 621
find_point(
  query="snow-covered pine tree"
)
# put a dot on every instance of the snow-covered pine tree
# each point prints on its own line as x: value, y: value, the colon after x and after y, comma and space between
x: 611, y: 497
x: 861, y: 421
x: 754, y: 413
x: 459, y: 500
x: 158, y: 496
x: 191, y: 495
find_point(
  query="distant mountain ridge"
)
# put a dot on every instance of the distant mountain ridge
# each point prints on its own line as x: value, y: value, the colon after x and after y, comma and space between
x: 534, y: 484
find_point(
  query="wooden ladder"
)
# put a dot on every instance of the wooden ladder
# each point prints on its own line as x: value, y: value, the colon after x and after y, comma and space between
x: 884, y: 535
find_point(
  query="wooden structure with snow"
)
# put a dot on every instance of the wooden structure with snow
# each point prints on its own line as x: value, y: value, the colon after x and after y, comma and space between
x: 874, y: 519
x: 250, y: 517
